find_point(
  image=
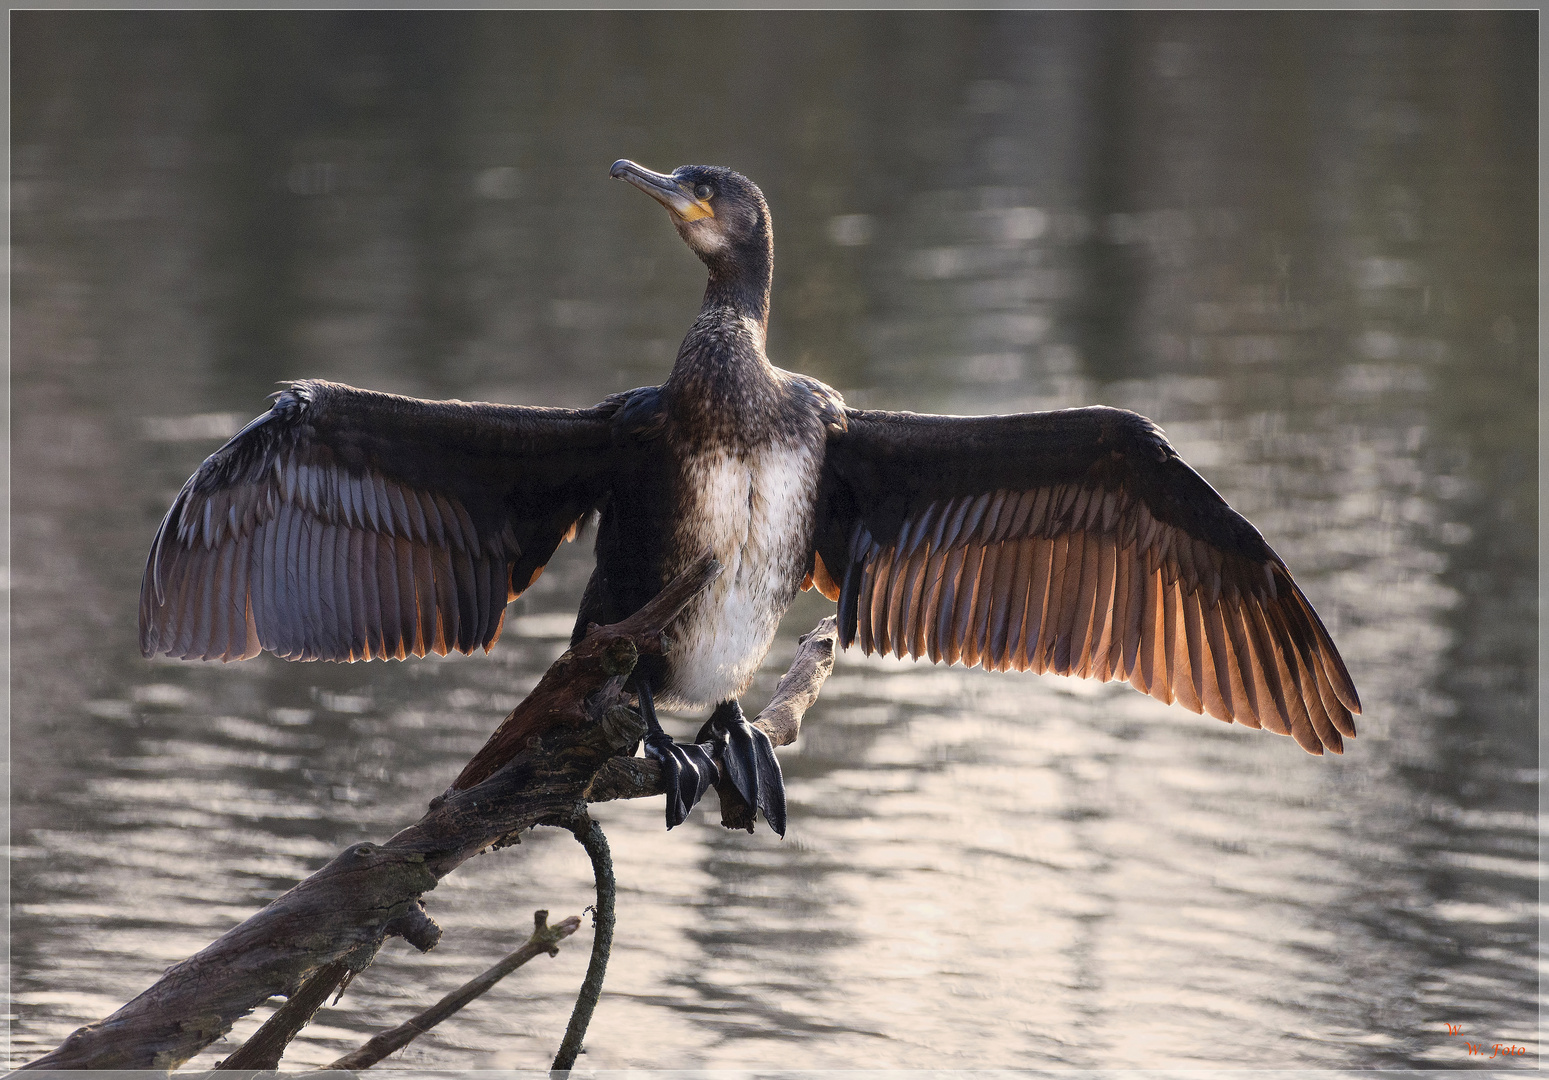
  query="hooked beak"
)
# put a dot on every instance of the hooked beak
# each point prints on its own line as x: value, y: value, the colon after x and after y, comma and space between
x: 664, y: 189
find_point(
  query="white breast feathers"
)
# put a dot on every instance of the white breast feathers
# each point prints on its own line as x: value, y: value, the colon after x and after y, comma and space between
x: 754, y: 511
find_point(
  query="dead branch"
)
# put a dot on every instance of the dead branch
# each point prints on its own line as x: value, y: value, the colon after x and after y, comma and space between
x: 545, y: 939
x: 596, y: 844
x: 266, y: 1046
x: 348, y: 906
x: 554, y: 753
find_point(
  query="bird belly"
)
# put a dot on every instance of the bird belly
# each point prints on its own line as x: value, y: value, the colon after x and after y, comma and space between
x: 754, y: 510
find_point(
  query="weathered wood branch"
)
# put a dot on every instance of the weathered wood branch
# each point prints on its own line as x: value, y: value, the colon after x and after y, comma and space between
x: 350, y: 903
x: 266, y: 1046
x: 541, y: 766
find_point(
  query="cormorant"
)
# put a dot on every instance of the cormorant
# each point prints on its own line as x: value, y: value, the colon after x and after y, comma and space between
x: 345, y: 524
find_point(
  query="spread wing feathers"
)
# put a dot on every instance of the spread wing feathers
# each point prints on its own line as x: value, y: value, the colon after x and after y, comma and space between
x: 349, y: 525
x: 1074, y: 542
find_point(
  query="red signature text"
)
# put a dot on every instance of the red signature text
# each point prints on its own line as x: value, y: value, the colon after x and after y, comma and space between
x: 1496, y: 1050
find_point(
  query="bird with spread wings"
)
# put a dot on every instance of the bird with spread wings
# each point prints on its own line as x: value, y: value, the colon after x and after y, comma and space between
x: 350, y: 525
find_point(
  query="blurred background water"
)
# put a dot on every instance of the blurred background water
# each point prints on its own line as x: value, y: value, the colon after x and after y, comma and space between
x: 1304, y: 243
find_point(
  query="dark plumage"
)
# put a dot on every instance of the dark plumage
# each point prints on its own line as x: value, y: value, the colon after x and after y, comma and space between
x: 345, y: 525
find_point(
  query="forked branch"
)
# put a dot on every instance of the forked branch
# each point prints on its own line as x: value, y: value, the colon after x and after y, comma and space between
x: 545, y: 939
x: 555, y: 752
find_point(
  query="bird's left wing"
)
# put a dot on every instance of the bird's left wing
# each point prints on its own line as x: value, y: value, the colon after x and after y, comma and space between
x: 345, y: 524
x: 1076, y: 542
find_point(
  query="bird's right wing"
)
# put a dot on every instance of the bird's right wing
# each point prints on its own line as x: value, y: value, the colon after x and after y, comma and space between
x: 347, y: 525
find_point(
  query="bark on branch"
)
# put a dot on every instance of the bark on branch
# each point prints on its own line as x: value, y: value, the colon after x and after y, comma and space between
x: 555, y: 752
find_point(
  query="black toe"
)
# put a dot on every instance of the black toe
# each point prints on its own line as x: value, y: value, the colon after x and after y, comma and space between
x: 751, y: 765
x: 688, y: 769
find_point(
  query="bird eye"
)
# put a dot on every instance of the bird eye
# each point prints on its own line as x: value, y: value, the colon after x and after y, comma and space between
x: 703, y: 191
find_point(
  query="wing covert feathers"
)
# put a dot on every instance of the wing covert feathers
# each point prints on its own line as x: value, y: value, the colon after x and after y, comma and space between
x: 1075, y: 574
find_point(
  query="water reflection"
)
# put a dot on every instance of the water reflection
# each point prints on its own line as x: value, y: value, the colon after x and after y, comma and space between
x: 1301, y: 242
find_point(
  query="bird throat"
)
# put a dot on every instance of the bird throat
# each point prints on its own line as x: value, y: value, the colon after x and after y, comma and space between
x: 740, y: 278
x: 722, y: 372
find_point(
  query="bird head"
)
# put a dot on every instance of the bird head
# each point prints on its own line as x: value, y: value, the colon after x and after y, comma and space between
x: 720, y: 214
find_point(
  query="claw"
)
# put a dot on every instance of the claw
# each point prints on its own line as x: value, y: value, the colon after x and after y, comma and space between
x: 689, y: 770
x: 752, y: 768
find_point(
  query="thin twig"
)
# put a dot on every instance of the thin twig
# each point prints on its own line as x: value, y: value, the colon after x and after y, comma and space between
x: 266, y: 1046
x: 596, y: 844
x: 545, y: 939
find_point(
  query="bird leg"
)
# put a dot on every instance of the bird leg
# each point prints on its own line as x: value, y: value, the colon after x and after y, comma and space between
x: 748, y: 757
x: 688, y: 770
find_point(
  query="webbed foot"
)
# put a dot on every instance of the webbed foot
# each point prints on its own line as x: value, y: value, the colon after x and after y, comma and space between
x: 749, y: 759
x: 688, y: 770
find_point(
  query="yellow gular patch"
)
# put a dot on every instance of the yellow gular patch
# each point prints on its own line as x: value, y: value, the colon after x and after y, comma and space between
x: 695, y: 211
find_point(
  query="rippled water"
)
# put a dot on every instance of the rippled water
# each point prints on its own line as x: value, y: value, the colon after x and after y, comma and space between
x: 1304, y: 244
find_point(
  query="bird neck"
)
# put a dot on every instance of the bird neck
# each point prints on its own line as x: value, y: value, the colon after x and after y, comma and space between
x: 740, y: 279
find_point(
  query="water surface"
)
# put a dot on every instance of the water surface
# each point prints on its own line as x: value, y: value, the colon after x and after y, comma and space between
x: 1303, y: 243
